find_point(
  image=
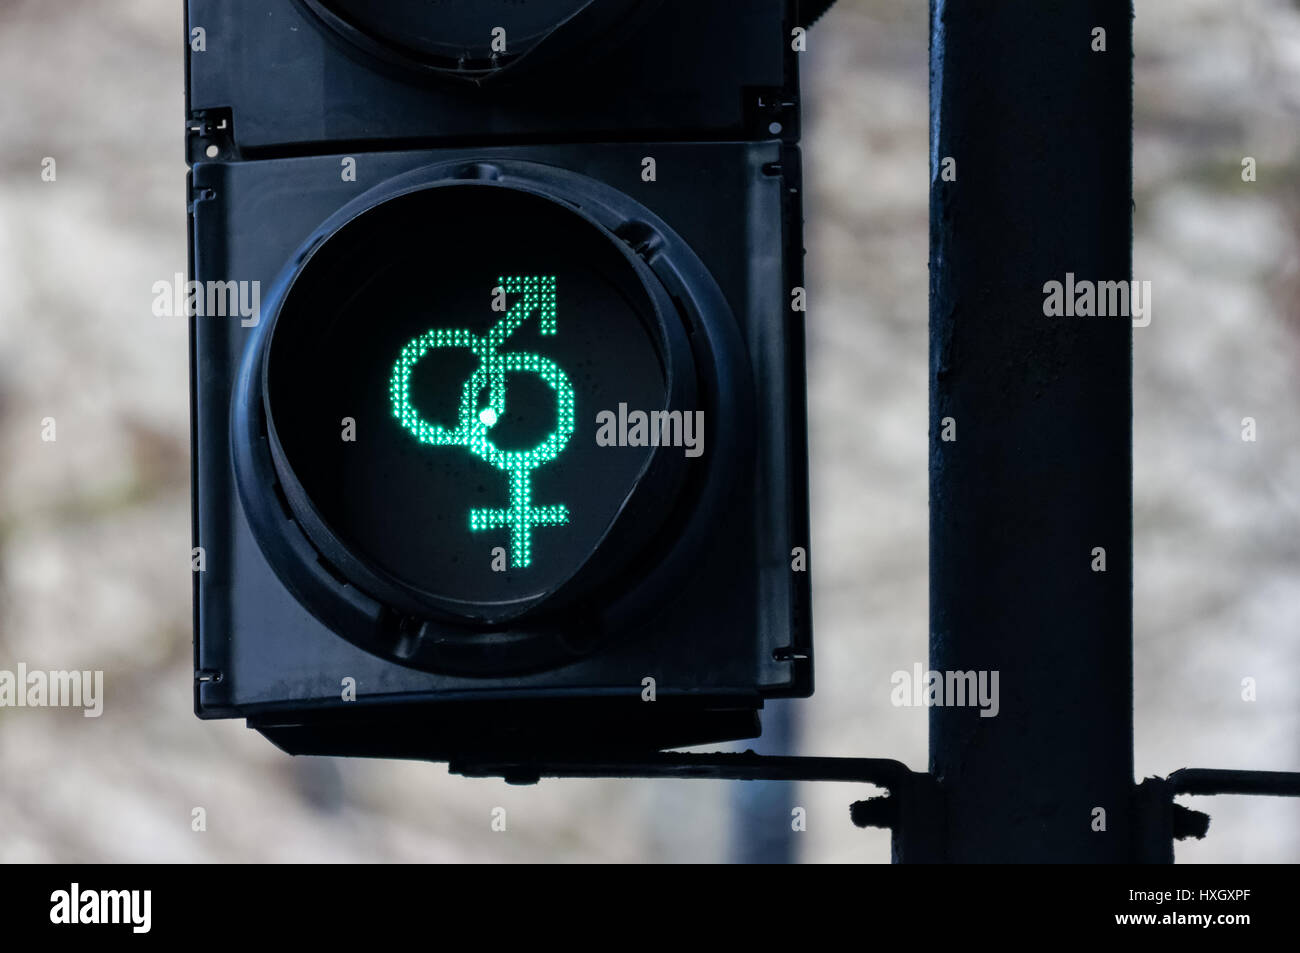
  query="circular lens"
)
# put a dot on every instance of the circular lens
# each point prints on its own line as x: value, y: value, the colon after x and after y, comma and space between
x: 433, y: 386
x: 485, y: 42
x: 452, y: 29
x: 481, y: 40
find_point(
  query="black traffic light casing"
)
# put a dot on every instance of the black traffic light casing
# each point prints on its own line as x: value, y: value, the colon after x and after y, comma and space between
x: 321, y: 159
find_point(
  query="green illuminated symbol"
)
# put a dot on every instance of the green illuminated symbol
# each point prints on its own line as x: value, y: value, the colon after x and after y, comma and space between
x: 476, y: 419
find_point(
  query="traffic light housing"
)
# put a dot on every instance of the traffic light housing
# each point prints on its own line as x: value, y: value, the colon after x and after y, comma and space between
x: 511, y: 455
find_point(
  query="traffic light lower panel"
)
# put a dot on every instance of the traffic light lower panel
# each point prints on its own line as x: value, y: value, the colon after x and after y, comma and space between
x: 427, y: 522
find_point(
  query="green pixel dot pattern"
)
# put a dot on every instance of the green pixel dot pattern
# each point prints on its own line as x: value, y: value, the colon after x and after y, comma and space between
x: 536, y: 294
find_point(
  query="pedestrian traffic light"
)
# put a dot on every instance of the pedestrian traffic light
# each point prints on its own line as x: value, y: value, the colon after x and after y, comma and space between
x: 511, y: 455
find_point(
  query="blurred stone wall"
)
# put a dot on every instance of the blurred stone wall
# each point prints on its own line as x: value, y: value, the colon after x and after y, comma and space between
x: 94, y: 527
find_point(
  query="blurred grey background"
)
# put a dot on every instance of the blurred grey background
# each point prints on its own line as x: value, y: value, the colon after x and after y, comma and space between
x: 94, y: 528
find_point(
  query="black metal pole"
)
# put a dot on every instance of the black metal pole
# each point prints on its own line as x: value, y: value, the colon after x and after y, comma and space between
x: 1031, y: 440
